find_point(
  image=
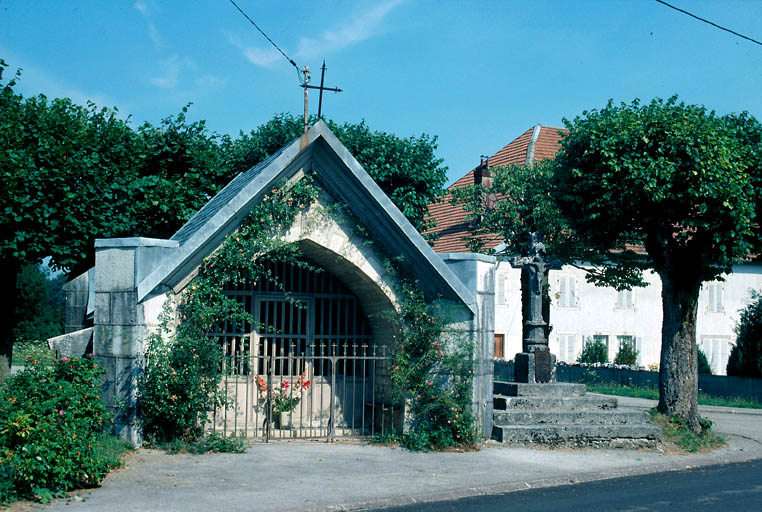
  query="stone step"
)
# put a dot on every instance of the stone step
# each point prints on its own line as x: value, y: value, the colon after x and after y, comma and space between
x: 579, y: 435
x: 572, y: 403
x: 606, y: 417
x: 548, y: 389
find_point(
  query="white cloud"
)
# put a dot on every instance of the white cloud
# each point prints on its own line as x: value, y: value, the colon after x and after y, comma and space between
x: 357, y: 30
x: 263, y: 57
x: 360, y: 28
x: 176, y: 71
x: 171, y: 70
x: 153, y: 32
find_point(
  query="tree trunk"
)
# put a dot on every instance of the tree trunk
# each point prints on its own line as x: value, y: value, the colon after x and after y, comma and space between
x: 678, y: 372
x: 8, y: 276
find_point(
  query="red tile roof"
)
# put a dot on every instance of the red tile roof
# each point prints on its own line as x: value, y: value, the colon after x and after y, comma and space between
x: 451, y: 224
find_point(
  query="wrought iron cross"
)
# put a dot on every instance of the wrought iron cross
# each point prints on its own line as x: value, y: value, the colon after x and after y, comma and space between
x: 306, y: 85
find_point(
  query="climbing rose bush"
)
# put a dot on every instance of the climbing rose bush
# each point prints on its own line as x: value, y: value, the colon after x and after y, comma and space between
x: 51, y: 420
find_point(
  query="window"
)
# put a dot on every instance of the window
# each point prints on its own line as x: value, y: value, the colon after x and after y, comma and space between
x: 501, y: 290
x: 603, y: 338
x: 499, y: 346
x: 628, y: 339
x: 567, y: 292
x: 624, y: 299
x: 568, y: 347
x: 716, y: 350
x: 714, y: 297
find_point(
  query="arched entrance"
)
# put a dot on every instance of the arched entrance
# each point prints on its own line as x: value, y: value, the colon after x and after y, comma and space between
x: 308, y: 326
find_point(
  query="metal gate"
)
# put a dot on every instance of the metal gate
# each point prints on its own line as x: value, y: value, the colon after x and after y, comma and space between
x: 309, y: 341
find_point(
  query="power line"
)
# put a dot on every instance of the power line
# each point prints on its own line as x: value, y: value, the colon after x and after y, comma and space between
x: 289, y: 59
x: 709, y: 22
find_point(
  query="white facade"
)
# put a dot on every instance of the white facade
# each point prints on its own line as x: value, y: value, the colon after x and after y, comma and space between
x: 580, y: 311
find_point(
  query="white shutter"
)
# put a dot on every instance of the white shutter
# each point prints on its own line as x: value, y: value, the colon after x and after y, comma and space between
x: 573, y: 287
x: 562, y: 293
x: 500, y: 288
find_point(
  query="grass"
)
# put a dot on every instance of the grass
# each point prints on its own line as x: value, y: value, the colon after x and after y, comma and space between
x: 212, y: 442
x: 34, y: 350
x: 111, y: 448
x: 675, y: 432
x: 653, y: 394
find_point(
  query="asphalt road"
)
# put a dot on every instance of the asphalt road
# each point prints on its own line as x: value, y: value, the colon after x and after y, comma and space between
x: 729, y: 487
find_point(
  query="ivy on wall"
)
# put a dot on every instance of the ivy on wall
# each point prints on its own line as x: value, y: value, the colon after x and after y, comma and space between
x: 433, y: 375
x: 432, y: 371
x: 183, y: 370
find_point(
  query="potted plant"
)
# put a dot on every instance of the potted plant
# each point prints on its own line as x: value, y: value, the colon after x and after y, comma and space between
x: 285, y: 398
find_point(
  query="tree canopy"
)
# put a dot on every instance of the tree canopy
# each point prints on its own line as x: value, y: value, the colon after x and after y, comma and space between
x: 683, y: 183
x: 72, y: 173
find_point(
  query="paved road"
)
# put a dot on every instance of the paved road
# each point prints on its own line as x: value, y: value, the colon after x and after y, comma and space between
x: 731, y: 487
x: 345, y: 476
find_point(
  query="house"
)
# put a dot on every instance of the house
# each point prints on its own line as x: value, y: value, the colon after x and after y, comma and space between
x: 580, y: 311
x: 337, y: 334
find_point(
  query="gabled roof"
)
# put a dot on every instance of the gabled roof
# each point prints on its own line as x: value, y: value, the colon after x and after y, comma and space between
x: 320, y: 152
x: 537, y: 143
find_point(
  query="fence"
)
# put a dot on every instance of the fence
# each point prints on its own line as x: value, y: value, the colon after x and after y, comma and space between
x: 716, y: 385
x: 340, y: 391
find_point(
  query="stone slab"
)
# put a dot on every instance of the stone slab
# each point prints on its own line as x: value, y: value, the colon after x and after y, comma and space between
x: 576, y: 403
x: 543, y: 389
x: 580, y: 435
x: 615, y: 417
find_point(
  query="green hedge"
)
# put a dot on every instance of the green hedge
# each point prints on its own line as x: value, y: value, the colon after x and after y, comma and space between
x: 52, y: 423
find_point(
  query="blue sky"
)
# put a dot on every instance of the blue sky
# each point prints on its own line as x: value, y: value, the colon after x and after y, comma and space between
x: 476, y: 74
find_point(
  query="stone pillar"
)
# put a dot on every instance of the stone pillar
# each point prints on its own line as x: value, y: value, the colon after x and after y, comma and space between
x: 477, y: 273
x: 77, y: 293
x: 119, y: 323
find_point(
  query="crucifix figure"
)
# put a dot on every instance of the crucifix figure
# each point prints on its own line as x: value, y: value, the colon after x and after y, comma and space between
x: 536, y: 265
x: 535, y: 363
x: 306, y: 85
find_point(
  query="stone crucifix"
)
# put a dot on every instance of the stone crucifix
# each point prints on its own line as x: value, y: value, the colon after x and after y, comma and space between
x: 535, y: 363
x: 537, y: 266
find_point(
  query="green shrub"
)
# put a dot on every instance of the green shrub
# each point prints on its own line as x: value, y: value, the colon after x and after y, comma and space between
x: 51, y: 417
x: 434, y: 377
x: 703, y: 363
x: 626, y: 354
x: 7, y: 488
x: 595, y: 351
x: 746, y: 356
x: 179, y: 386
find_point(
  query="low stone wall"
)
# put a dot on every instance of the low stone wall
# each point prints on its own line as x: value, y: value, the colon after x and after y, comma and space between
x: 716, y: 385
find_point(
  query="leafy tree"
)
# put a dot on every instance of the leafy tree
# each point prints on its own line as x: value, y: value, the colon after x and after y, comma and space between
x: 704, y: 368
x: 64, y: 170
x: 71, y: 174
x: 518, y: 203
x: 406, y: 169
x: 626, y: 353
x: 680, y: 181
x: 746, y: 356
x: 40, y: 304
x: 595, y: 351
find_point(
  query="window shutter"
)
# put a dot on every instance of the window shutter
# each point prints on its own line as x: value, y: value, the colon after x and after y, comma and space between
x: 573, y: 287
x: 563, y: 299
x: 500, y: 288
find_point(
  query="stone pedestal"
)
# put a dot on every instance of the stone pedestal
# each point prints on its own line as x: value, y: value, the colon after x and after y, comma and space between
x: 535, y: 367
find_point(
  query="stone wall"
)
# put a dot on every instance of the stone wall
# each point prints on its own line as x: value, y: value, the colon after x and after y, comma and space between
x: 477, y: 272
x: 120, y: 324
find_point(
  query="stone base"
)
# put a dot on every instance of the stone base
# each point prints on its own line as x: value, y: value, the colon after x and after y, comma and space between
x: 526, y: 368
x: 562, y: 414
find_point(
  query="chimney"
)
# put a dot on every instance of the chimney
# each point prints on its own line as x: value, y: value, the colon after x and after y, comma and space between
x: 483, y: 176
